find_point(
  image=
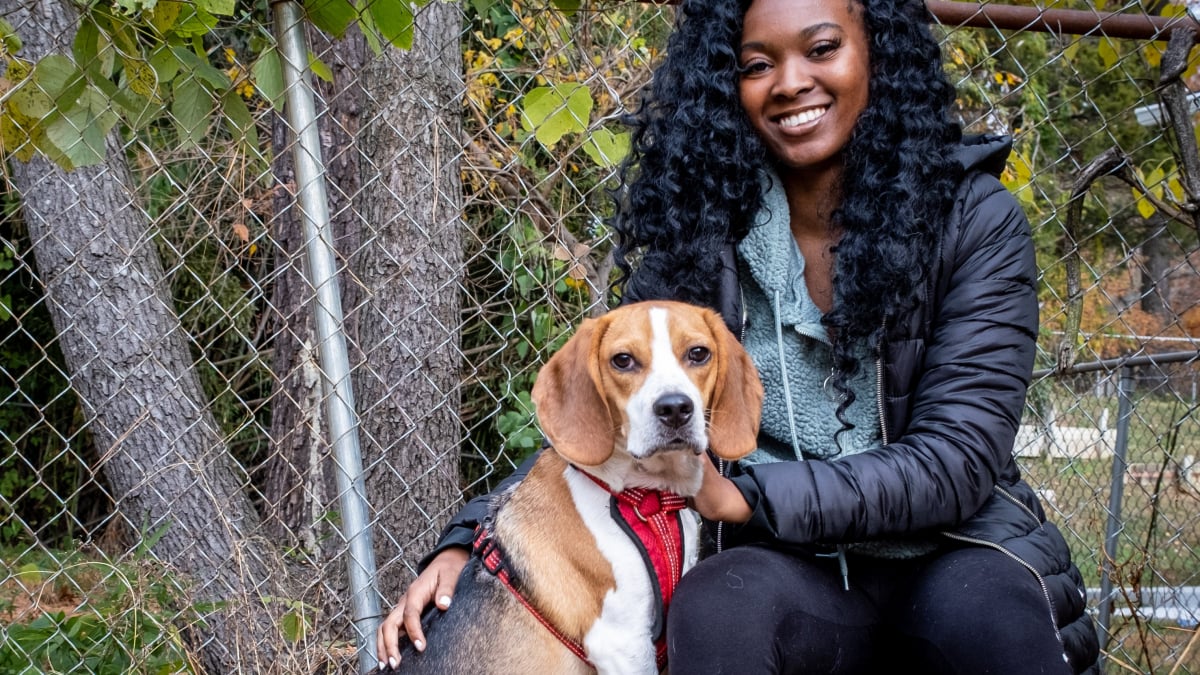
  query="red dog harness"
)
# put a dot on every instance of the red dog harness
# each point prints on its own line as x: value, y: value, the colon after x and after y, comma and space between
x: 651, y: 519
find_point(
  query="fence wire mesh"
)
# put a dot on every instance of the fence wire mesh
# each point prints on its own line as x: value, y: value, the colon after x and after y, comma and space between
x: 168, y: 500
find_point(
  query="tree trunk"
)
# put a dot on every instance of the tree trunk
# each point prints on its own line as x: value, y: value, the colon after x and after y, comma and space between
x: 411, y: 267
x: 129, y: 362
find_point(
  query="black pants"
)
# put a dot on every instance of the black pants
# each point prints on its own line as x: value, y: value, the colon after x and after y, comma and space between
x: 753, y: 610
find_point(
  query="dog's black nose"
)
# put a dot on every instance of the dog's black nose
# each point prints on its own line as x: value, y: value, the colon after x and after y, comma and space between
x: 674, y: 410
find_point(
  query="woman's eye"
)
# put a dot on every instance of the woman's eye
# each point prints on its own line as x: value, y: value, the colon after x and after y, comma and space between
x: 623, y: 361
x: 824, y: 48
x: 698, y: 356
x: 754, y: 68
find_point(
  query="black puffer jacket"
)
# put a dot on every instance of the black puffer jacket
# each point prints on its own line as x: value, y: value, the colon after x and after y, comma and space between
x: 953, y: 379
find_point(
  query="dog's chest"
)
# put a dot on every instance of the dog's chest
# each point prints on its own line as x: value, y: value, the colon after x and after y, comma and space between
x: 621, y: 640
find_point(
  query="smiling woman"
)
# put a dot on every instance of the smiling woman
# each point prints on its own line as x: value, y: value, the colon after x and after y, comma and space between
x: 804, y: 73
x: 794, y: 166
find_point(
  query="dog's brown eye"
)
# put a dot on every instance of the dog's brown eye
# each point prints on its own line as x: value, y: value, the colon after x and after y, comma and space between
x: 623, y: 361
x: 698, y: 356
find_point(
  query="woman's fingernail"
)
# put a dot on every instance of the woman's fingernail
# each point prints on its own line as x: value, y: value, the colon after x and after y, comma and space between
x: 419, y: 645
x: 383, y: 665
x: 393, y: 662
x: 444, y: 601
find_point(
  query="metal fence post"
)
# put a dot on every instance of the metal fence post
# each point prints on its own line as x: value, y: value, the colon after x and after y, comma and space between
x: 327, y: 310
x: 1114, y: 524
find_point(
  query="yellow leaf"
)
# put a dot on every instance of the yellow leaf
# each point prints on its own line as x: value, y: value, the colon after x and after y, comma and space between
x: 1152, y: 53
x: 1173, y: 10
x: 143, y: 81
x: 1107, y: 49
x: 1144, y: 207
x: 1070, y: 51
x: 1176, y: 188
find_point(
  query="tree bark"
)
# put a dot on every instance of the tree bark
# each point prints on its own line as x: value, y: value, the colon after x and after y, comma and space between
x: 390, y: 131
x: 411, y: 267
x: 130, y: 364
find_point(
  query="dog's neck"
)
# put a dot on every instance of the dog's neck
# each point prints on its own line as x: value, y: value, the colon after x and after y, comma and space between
x: 676, y: 471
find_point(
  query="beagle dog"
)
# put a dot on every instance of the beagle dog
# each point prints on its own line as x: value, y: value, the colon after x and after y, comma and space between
x: 573, y: 567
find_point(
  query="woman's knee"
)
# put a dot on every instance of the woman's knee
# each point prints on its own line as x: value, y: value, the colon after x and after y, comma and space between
x: 731, y: 585
x: 977, y: 610
x: 757, y: 610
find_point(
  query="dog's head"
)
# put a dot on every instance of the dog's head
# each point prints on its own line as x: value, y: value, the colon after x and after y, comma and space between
x: 646, y: 378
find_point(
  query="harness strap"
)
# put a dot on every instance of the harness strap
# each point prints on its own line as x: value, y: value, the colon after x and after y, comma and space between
x: 492, y: 556
x: 651, y: 519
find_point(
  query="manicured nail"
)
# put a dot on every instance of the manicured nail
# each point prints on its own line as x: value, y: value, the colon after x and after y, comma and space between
x: 383, y: 665
x: 393, y: 662
x: 444, y: 601
x: 419, y: 645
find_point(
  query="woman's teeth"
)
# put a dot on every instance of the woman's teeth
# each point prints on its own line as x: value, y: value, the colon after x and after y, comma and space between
x: 803, y: 117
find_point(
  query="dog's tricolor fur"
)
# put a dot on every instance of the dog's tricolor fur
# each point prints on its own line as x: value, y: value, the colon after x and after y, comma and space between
x: 634, y: 398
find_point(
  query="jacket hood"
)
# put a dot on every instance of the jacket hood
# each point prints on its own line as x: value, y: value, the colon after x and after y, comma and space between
x: 984, y: 152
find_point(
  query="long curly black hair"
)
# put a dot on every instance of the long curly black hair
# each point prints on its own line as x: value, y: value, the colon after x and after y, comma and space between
x: 691, y: 186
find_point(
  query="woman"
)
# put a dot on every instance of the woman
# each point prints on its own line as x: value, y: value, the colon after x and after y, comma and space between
x: 794, y: 166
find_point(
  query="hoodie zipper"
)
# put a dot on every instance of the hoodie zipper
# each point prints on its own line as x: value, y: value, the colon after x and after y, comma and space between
x: 883, y: 428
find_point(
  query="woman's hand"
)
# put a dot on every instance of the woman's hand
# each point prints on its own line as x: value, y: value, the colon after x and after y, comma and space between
x: 719, y: 498
x: 437, y: 581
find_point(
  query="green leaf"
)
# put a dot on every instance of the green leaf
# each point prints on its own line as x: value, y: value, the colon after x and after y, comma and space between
x: 194, y: 21
x: 606, y: 148
x: 331, y: 16
x: 294, y: 624
x: 191, y: 110
x: 132, y: 7
x: 367, y: 25
x: 241, y: 125
x: 165, y: 15
x: 394, y: 21
x: 219, y: 7
x: 9, y: 37
x: 567, y: 6
x: 201, y: 68
x: 138, y: 111
x: 29, y: 574
x: 61, y: 79
x: 86, y: 46
x: 75, y: 138
x: 268, y: 78
x: 319, y: 67
x: 165, y: 63
x: 556, y: 110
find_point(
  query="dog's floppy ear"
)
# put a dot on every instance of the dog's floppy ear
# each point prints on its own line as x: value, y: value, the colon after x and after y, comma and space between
x: 736, y: 406
x: 573, y: 414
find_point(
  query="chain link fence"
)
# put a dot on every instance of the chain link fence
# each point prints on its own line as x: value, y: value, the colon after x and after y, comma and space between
x: 173, y: 465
